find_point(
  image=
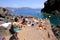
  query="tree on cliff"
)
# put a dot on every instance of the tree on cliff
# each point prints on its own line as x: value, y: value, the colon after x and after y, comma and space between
x: 52, y: 6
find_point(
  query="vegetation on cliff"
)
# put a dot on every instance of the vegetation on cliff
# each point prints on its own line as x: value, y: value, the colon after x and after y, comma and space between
x: 52, y: 6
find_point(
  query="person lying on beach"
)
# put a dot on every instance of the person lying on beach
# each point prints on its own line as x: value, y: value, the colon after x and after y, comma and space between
x: 42, y: 26
x: 25, y: 21
x: 36, y: 21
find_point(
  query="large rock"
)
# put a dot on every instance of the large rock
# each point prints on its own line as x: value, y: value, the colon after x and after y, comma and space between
x: 52, y: 6
x: 3, y: 10
x: 56, y: 31
x: 4, y: 13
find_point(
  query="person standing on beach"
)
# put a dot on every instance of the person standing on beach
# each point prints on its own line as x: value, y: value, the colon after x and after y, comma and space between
x: 16, y: 27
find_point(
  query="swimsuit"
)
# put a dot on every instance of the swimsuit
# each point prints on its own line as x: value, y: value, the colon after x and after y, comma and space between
x: 16, y: 28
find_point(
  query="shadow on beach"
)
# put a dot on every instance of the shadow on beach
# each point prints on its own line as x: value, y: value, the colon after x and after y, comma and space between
x: 12, y: 38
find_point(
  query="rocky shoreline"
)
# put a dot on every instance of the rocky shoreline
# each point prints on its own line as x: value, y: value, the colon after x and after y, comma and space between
x: 6, y: 16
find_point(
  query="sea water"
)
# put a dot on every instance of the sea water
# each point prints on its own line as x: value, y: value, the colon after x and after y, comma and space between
x: 54, y: 19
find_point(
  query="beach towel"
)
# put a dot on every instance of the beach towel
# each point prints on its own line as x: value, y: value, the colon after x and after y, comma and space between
x: 5, y: 25
x: 29, y: 25
x: 33, y: 25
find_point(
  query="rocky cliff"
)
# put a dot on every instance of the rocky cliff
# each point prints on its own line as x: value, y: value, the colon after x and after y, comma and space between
x: 52, y: 6
x: 5, y: 14
x: 56, y: 31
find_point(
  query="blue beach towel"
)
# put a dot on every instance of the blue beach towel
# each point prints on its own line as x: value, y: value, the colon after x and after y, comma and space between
x: 32, y: 25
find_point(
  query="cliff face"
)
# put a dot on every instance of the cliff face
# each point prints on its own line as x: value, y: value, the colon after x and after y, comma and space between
x: 52, y: 6
x: 5, y: 14
x: 56, y: 31
x: 3, y: 10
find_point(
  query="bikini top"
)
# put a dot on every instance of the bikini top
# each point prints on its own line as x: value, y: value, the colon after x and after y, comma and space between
x: 16, y: 27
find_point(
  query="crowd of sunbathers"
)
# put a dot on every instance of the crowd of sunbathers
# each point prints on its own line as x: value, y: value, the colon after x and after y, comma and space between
x: 18, y: 23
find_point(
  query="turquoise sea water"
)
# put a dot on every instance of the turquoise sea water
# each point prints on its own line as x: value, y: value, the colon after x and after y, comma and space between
x: 54, y: 19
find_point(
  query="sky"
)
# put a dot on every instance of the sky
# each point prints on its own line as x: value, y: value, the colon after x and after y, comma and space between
x: 22, y: 3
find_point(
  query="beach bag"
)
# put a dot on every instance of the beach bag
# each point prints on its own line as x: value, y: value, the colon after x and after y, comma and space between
x: 11, y: 30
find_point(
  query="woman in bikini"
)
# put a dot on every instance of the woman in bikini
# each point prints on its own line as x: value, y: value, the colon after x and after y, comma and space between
x: 16, y: 27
